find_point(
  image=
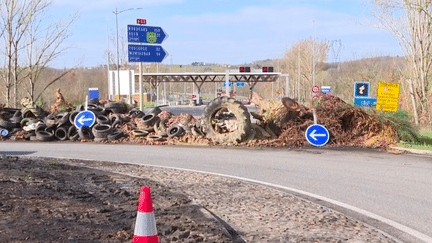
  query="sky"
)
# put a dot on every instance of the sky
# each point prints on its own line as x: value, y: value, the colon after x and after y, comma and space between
x: 224, y: 31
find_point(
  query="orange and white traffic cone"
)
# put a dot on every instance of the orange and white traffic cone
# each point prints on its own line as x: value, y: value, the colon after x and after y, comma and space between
x: 145, y: 226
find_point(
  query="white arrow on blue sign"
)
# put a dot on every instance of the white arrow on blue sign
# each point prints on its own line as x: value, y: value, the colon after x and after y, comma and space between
x: 85, y: 118
x: 240, y: 84
x: 317, y: 135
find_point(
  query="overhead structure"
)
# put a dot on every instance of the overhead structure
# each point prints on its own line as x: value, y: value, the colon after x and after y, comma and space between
x: 200, y: 78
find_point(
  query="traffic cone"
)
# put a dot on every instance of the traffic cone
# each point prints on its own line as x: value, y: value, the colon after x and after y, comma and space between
x: 145, y: 226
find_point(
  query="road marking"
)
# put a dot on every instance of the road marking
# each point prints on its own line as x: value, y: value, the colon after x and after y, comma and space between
x: 390, y: 222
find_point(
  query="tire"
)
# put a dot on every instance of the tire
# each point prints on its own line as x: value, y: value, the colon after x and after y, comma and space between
x: 80, y: 108
x: 101, y: 119
x: 27, y: 135
x: 72, y: 117
x: 7, y: 124
x: 175, y: 131
x: 155, y: 138
x: 73, y: 133
x: 116, y: 107
x: 115, y: 135
x: 101, y: 130
x: 40, y: 127
x: 61, y: 133
x: 44, y: 136
x: 140, y: 133
x: 240, y: 112
x: 85, y: 132
x: 93, y: 102
x: 27, y: 113
x: 62, y: 119
x: 27, y: 121
x: 156, y: 110
x: 150, y: 119
x: 115, y: 120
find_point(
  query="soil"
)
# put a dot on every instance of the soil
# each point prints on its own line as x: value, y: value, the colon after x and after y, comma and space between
x: 53, y: 200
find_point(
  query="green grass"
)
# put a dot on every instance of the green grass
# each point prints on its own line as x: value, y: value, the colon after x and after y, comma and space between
x: 424, y: 142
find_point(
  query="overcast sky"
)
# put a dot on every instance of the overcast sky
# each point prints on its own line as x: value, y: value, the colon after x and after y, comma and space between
x: 225, y: 31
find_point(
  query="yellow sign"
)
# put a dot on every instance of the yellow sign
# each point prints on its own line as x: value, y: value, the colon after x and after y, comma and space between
x: 388, y: 96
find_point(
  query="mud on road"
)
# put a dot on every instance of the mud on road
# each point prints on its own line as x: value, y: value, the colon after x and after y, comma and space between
x: 53, y: 200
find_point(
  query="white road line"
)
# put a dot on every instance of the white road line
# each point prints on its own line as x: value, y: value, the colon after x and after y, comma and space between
x: 392, y: 223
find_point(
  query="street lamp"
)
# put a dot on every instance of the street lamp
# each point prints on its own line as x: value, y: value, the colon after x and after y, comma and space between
x: 118, y: 59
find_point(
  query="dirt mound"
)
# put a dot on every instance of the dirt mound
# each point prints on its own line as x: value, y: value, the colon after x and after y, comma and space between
x: 347, y: 125
x: 60, y: 104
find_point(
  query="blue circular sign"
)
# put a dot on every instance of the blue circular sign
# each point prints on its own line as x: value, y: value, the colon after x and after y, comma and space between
x: 4, y: 132
x: 85, y: 118
x: 317, y: 135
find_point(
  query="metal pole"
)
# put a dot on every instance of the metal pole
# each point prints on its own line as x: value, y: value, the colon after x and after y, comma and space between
x: 108, y: 63
x: 118, y: 59
x: 287, y: 86
x: 140, y: 86
x: 227, y: 87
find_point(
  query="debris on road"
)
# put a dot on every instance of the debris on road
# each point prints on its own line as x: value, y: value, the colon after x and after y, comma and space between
x: 225, y: 121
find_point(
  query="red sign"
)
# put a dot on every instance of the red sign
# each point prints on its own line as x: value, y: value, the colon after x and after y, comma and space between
x: 315, y: 89
x: 141, y: 21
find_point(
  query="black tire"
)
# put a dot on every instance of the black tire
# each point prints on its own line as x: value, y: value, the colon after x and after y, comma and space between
x: 73, y: 133
x: 85, y: 132
x: 27, y: 113
x: 72, y: 117
x: 93, y: 102
x: 44, y: 136
x: 27, y: 121
x: 148, y: 128
x: 140, y: 133
x: 27, y: 135
x: 80, y: 108
x: 40, y: 127
x: 150, y: 119
x: 101, y: 130
x: 115, y: 135
x: 61, y: 133
x: 50, y: 121
x: 63, y: 119
x: 175, y: 131
x: 155, y: 138
x: 101, y: 119
x: 241, y: 115
x: 50, y: 130
x: 116, y: 107
x: 155, y: 110
x: 7, y: 124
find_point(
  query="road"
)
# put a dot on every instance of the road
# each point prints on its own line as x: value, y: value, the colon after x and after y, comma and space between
x: 365, y: 184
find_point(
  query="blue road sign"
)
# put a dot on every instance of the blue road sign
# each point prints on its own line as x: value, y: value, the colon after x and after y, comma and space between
x: 85, y: 118
x: 146, y: 53
x: 230, y: 84
x: 93, y: 93
x: 365, y: 101
x: 361, y: 89
x: 146, y: 34
x: 326, y: 89
x: 4, y: 132
x: 240, y: 84
x: 317, y: 135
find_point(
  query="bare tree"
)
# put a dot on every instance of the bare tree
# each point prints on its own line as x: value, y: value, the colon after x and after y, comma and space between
x: 27, y: 30
x: 290, y: 61
x: 410, y: 22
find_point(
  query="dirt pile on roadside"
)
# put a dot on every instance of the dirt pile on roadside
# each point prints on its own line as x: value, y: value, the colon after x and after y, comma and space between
x: 347, y: 125
x: 60, y: 104
x: 45, y: 200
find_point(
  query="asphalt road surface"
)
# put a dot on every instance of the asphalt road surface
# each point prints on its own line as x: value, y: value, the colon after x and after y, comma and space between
x: 390, y: 192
